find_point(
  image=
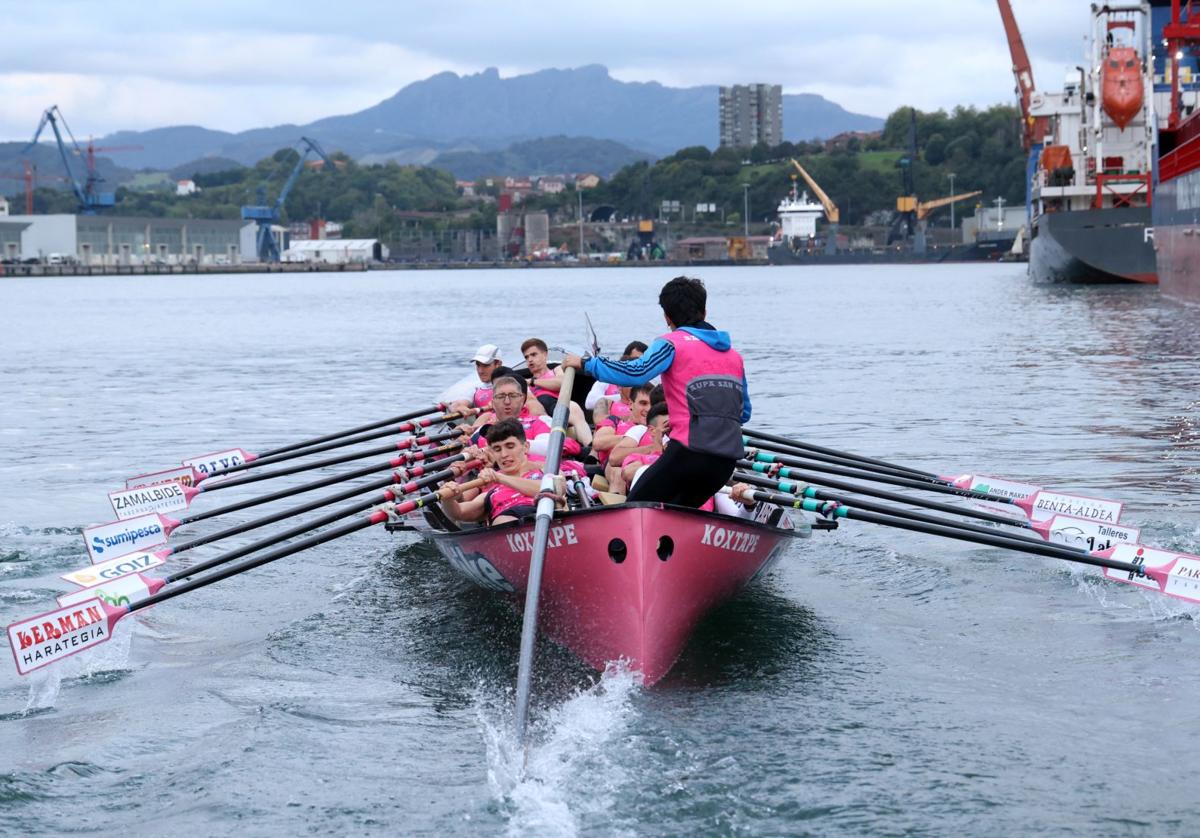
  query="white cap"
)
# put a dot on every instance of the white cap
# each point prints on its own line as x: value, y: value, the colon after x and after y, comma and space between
x: 487, y: 353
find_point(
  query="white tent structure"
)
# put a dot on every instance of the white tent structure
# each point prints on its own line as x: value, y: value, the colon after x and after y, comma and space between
x: 336, y: 251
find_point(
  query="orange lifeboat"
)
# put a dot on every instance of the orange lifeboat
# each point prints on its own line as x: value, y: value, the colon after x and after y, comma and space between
x: 1121, y: 85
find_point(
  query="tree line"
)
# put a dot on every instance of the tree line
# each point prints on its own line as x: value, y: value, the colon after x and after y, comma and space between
x: 862, y: 175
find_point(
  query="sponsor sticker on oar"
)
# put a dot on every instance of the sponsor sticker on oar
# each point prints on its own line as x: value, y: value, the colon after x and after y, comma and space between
x: 1092, y: 536
x: 995, y: 486
x: 1045, y: 505
x: 48, y: 638
x: 1174, y: 574
x: 119, y: 538
x: 165, y: 497
x: 117, y: 592
x: 208, y: 464
x: 88, y: 577
x: 185, y: 475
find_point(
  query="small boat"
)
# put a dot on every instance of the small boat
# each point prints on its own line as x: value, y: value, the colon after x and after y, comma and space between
x: 1121, y: 85
x: 627, y: 582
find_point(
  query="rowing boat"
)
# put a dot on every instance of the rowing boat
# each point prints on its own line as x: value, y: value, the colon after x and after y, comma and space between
x: 627, y: 582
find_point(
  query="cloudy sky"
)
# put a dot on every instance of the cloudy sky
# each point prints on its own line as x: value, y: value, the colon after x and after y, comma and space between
x: 235, y: 65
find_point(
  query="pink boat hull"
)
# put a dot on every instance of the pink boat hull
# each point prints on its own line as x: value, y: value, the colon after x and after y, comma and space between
x: 624, y: 582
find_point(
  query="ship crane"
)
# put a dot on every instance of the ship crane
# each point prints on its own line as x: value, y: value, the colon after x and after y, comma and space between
x: 267, y: 215
x: 1034, y: 128
x: 90, y: 198
x: 926, y: 207
x: 832, y: 214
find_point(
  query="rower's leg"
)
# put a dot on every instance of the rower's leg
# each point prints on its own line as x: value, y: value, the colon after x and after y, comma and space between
x: 583, y: 433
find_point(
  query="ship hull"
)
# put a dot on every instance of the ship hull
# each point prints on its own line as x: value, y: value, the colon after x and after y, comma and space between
x: 627, y: 582
x: 1101, y: 245
x: 1177, y: 236
x: 989, y: 250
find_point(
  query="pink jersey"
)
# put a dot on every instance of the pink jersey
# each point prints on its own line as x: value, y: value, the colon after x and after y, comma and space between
x: 542, y: 391
x: 537, y: 433
x: 647, y: 459
x: 619, y: 426
x: 501, y: 498
x: 483, y: 396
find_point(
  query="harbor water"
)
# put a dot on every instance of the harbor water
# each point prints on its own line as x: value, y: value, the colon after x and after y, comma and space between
x: 875, y: 682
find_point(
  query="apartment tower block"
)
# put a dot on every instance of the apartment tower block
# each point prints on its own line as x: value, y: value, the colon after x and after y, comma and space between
x: 751, y: 114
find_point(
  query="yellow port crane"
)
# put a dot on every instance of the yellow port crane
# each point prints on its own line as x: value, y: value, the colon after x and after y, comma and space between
x: 831, y: 210
x: 926, y: 207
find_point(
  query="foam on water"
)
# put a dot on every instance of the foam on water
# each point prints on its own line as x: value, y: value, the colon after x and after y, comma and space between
x: 105, y: 659
x: 573, y: 764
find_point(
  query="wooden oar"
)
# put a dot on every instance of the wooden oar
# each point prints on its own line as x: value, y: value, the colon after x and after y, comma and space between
x: 541, y: 533
x: 48, y: 638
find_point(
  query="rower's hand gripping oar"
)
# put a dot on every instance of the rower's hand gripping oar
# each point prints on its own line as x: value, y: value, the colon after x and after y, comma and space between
x: 48, y: 638
x: 541, y: 533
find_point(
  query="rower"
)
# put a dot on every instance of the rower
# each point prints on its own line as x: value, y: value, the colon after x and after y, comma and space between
x: 700, y: 372
x: 545, y: 384
x: 619, y: 437
x: 487, y: 361
x: 640, y: 458
x: 515, y: 481
x: 508, y: 402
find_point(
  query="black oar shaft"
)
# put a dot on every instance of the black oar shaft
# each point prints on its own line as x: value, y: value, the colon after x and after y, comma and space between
x: 793, y: 474
x: 305, y: 526
x: 894, y: 471
x: 866, y: 505
x: 826, y: 468
x: 290, y: 512
x: 368, y: 427
x: 173, y: 591
x: 318, y: 484
x: 331, y: 461
x: 1009, y: 542
x: 394, y: 430
x: 795, y: 443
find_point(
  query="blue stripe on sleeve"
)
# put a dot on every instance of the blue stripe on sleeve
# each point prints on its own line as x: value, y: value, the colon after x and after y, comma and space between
x: 655, y: 362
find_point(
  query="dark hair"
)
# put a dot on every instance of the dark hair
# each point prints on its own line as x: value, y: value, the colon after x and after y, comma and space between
x: 638, y: 389
x: 635, y: 346
x: 658, y: 395
x: 683, y: 300
x: 504, y: 429
x: 507, y: 374
x: 538, y: 342
x: 659, y: 409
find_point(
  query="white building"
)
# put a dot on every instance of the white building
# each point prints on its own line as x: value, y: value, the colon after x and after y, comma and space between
x: 186, y: 187
x: 336, y: 251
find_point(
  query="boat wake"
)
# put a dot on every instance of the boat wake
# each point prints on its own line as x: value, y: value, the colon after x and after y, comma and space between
x: 574, y: 765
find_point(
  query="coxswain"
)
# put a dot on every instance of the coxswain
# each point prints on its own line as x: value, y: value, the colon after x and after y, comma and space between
x: 514, y: 483
x: 545, y: 384
x: 708, y: 401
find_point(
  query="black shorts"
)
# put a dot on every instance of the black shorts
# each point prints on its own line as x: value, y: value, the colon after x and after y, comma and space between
x: 683, y: 477
x: 526, y: 513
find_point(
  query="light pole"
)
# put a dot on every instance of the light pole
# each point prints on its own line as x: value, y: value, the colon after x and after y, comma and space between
x: 746, y: 210
x: 951, y: 176
x: 579, y: 192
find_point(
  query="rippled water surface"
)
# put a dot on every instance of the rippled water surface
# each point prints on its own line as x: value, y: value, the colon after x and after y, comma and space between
x: 875, y: 682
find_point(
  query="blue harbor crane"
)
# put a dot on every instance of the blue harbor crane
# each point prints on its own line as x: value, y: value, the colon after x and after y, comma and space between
x: 266, y: 216
x: 90, y: 199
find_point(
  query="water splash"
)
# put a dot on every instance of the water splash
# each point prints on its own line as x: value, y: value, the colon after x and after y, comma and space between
x: 113, y: 656
x: 574, y: 763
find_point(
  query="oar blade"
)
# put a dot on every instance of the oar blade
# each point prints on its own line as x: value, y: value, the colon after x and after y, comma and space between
x: 184, y: 475
x: 209, y: 464
x: 994, y: 486
x: 49, y: 638
x: 88, y: 577
x: 131, y: 535
x: 1174, y: 574
x: 1044, y: 505
x: 1092, y: 536
x: 160, y: 498
x: 124, y: 590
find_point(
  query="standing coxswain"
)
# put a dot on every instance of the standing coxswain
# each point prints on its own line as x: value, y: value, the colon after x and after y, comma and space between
x: 708, y: 401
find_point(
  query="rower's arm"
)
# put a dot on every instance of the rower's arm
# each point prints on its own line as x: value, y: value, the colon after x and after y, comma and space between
x: 655, y: 362
x: 604, y: 439
x: 553, y: 384
x: 465, y: 510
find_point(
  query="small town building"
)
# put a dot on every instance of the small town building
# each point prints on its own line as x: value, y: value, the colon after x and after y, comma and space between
x: 126, y: 240
x: 587, y: 181
x: 186, y: 187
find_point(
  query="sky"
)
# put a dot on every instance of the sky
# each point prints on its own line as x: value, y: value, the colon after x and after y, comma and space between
x: 133, y: 64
